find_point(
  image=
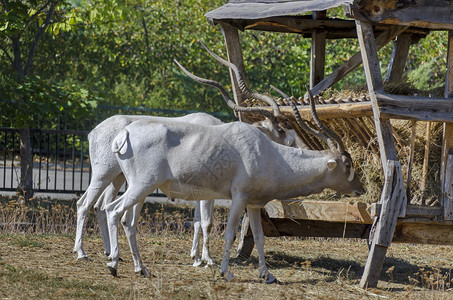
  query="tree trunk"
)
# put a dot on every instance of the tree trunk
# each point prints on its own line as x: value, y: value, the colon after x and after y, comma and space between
x: 26, y: 164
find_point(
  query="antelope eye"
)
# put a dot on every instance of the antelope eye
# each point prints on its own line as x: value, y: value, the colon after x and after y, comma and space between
x: 279, y: 130
x: 348, y: 164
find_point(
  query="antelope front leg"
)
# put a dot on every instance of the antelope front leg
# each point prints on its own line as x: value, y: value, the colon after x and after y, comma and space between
x: 206, y: 208
x: 133, y: 195
x: 83, y: 206
x: 258, y: 236
x: 107, y: 197
x: 129, y: 222
x: 195, y: 252
x: 236, y: 209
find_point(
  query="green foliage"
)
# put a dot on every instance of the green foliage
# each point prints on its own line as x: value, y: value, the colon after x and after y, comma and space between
x: 36, y: 101
x: 121, y: 53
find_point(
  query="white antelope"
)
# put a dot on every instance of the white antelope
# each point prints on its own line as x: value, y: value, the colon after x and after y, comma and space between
x: 107, y: 178
x: 231, y: 161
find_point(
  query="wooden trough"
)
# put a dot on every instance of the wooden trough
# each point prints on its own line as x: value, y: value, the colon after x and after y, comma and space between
x: 374, y: 23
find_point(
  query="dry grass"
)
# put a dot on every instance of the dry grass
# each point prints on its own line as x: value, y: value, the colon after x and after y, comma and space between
x: 37, y: 264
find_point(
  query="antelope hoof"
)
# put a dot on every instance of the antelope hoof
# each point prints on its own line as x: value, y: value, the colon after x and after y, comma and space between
x: 113, y: 271
x: 113, y: 268
x: 83, y: 257
x: 197, y: 262
x: 229, y: 276
x: 210, y: 264
x: 144, y: 272
x: 270, y: 279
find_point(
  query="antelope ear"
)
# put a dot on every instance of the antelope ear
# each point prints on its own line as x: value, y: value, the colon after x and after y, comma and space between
x: 331, y: 164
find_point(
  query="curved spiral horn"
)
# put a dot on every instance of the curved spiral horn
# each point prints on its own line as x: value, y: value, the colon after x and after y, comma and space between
x: 225, y: 95
x: 241, y: 82
x: 302, y: 124
x: 331, y: 134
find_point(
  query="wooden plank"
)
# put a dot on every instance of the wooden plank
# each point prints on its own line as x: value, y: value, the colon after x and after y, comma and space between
x: 447, y: 139
x: 310, y: 228
x: 375, y: 84
x: 334, y: 28
x: 269, y: 228
x: 393, y: 196
x: 332, y: 111
x: 426, y: 158
x: 448, y: 189
x: 405, y: 232
x: 381, y: 40
x: 436, y: 16
x: 423, y: 233
x: 330, y: 211
x: 413, y: 211
x: 318, y: 51
x: 415, y: 108
x: 399, y: 56
x: 410, y: 163
x: 246, y: 242
x: 234, y: 53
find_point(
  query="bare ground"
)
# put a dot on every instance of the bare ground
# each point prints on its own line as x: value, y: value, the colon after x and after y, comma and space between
x: 43, y: 266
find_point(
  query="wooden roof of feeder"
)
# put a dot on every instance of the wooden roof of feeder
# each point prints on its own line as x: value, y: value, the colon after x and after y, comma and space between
x: 291, y: 17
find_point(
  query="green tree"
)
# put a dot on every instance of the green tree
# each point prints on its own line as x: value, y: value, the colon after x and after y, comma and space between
x: 26, y: 96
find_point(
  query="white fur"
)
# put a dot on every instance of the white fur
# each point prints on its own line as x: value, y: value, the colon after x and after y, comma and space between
x: 107, y: 179
x: 231, y: 161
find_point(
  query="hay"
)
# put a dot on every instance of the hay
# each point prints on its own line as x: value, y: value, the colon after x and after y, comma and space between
x: 359, y: 137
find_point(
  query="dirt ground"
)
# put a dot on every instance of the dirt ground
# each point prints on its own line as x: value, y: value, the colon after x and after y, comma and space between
x: 43, y: 266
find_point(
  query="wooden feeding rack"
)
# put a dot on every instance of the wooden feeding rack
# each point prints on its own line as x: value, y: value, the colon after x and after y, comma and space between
x: 374, y: 23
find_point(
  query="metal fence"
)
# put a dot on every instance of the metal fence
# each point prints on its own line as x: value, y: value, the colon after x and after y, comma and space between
x: 60, y: 157
x: 60, y: 160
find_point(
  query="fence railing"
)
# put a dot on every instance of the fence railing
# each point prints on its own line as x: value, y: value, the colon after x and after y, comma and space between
x: 61, y: 162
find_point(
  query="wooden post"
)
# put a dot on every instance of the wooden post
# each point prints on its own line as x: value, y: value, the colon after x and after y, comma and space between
x: 393, y: 196
x: 399, y: 56
x: 426, y: 159
x: 375, y: 84
x: 448, y: 189
x: 447, y: 144
x: 318, y: 52
x: 246, y: 242
x: 339, y: 73
x: 234, y: 52
x: 392, y: 200
x: 411, y: 161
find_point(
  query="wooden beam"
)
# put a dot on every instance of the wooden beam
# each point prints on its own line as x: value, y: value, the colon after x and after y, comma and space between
x: 318, y: 51
x: 381, y: 40
x: 330, y: 211
x: 410, y: 163
x: 447, y: 140
x: 433, y: 16
x: 334, y: 28
x: 415, y: 108
x: 448, y: 189
x: 426, y: 159
x: 393, y: 200
x: 375, y: 84
x: 246, y: 242
x: 413, y: 211
x: 310, y: 228
x: 423, y: 233
x: 332, y: 111
x: 234, y: 52
x: 400, y: 52
x: 405, y: 232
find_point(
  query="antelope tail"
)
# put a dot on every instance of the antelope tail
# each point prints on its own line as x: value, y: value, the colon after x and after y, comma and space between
x: 119, y: 144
